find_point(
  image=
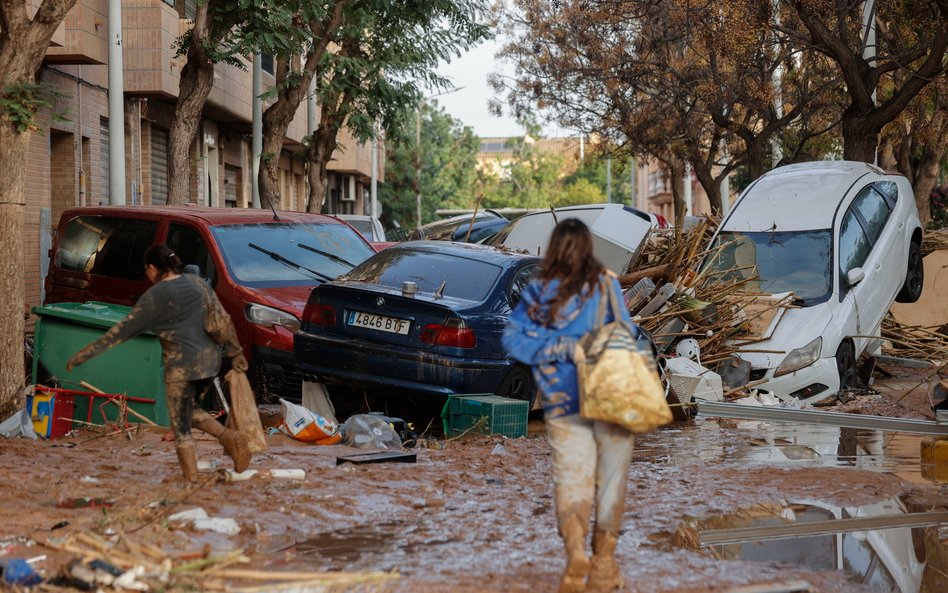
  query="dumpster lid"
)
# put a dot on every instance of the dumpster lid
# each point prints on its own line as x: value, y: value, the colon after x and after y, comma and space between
x: 94, y: 313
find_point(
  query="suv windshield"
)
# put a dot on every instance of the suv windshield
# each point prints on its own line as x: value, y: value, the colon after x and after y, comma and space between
x: 463, y: 278
x: 790, y: 261
x: 286, y: 254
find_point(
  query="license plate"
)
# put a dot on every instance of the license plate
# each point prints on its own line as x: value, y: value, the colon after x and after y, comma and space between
x: 379, y: 322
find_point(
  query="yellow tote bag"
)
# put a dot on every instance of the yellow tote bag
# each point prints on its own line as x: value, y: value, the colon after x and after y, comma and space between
x: 617, y: 382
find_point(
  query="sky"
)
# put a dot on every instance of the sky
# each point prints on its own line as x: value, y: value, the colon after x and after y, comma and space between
x: 469, y: 104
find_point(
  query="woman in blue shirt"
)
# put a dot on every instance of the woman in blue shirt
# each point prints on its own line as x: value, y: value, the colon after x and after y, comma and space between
x: 590, y: 458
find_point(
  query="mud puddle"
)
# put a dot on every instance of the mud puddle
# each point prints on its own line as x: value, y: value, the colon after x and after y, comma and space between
x: 709, y: 440
x: 381, y: 546
x: 881, y: 546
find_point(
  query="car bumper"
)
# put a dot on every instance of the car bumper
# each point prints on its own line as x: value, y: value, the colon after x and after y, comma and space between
x: 810, y: 384
x: 275, y: 375
x: 393, y: 369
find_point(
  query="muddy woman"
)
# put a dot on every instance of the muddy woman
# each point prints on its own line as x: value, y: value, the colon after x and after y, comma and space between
x: 590, y: 459
x: 185, y: 314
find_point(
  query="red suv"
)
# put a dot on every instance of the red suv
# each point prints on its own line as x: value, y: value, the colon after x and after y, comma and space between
x: 262, y: 266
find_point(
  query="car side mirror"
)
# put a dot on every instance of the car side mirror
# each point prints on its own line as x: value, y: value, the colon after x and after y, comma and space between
x: 855, y: 276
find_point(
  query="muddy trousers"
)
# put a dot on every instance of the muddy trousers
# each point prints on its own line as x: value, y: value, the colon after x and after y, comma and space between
x: 181, y: 397
x: 590, y: 465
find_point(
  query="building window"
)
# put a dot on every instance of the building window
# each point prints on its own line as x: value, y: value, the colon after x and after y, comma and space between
x: 266, y: 62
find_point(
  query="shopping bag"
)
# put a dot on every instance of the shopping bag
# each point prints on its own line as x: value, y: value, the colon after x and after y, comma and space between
x: 243, y: 416
x: 617, y: 382
x: 308, y: 426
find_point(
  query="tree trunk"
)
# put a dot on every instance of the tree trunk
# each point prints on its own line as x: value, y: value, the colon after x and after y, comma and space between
x: 318, y: 179
x: 859, y: 139
x: 710, y: 184
x: 676, y: 173
x: 197, y: 80
x: 23, y: 43
x: 926, y: 175
x: 13, y: 149
x: 276, y: 120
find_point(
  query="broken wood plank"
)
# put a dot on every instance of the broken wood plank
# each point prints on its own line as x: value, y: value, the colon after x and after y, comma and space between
x: 784, y: 587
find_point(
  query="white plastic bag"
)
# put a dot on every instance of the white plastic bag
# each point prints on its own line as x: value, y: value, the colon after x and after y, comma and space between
x: 308, y: 426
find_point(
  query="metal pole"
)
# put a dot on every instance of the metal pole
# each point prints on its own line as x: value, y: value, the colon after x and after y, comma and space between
x: 869, y: 48
x: 374, y: 188
x: 256, y: 131
x: 116, y: 107
x: 777, y: 82
x: 689, y: 207
x: 725, y: 184
x: 633, y: 194
x: 609, y: 179
x: 418, y: 165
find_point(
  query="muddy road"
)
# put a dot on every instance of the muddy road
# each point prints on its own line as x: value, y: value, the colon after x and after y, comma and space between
x: 707, y: 502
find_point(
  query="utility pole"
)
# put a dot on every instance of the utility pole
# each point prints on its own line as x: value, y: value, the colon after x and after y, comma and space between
x: 374, y: 187
x: 869, y: 48
x: 777, y: 82
x: 689, y: 207
x: 256, y: 129
x: 418, y: 166
x: 116, y: 107
x: 633, y: 194
x: 609, y: 179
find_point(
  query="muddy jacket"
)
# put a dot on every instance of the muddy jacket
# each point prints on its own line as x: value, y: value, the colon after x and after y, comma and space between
x: 189, y: 321
x: 548, y: 348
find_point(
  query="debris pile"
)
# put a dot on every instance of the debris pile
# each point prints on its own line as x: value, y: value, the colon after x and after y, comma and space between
x: 914, y: 341
x: 934, y: 241
x: 671, y: 297
x: 118, y: 562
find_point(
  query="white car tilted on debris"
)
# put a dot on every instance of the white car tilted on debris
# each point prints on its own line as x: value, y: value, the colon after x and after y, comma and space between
x: 844, y: 238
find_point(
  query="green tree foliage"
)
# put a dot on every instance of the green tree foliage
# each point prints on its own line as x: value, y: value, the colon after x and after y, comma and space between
x: 448, y: 156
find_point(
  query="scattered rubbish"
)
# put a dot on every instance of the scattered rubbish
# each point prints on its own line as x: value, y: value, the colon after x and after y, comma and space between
x: 307, y: 426
x: 59, y: 525
x: 735, y: 372
x: 316, y: 398
x: 382, y: 457
x: 189, y: 515
x: 89, y: 480
x: 222, y: 525
x: 370, y: 431
x: 499, y: 449
x: 206, y: 464
x: 18, y: 425
x: 18, y: 571
x: 689, y: 380
x: 402, y: 428
x: 50, y: 412
x: 664, y: 293
x: 84, y: 502
x: 285, y: 474
x: 636, y: 296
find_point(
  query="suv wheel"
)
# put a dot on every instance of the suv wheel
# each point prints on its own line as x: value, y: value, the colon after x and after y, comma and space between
x: 914, y: 276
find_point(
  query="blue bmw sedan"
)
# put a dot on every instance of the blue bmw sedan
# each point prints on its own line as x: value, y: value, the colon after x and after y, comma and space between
x: 423, y: 317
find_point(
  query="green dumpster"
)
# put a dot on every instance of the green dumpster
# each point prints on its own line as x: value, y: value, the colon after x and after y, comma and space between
x: 133, y: 368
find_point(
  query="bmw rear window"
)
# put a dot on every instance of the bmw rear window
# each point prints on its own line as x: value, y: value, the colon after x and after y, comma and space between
x: 463, y: 278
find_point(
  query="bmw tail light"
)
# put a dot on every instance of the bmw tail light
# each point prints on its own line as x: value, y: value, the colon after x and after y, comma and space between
x: 453, y: 332
x: 319, y: 314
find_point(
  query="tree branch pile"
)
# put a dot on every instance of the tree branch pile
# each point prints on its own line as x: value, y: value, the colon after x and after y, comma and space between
x: 915, y: 341
x: 934, y: 241
x: 722, y: 312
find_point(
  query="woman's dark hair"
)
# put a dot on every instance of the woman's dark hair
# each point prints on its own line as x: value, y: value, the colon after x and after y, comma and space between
x: 164, y: 259
x: 569, y: 258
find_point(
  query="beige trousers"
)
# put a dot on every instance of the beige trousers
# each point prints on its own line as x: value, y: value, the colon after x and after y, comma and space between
x: 590, y: 463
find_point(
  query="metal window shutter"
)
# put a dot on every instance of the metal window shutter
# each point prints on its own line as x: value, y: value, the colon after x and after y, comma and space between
x: 105, y: 168
x: 159, y: 166
x: 230, y: 186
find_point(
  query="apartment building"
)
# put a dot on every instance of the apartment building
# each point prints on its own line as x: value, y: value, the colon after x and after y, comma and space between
x: 69, y: 155
x: 654, y: 193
